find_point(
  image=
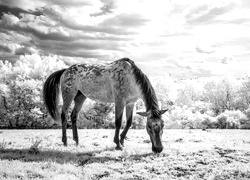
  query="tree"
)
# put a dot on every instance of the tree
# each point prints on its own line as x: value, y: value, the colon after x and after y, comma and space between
x: 98, y: 115
x: 21, y: 85
x: 187, y: 95
x: 244, y: 95
x: 221, y: 95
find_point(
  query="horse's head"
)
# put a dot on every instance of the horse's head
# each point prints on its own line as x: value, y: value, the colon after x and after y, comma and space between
x: 155, y: 129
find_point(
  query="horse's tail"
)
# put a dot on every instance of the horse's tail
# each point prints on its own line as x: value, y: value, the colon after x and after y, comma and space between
x: 51, y: 93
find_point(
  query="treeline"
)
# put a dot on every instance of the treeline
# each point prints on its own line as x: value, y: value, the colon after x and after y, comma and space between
x: 200, y: 103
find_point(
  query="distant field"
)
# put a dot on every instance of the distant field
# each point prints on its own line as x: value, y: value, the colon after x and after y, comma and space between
x: 196, y: 154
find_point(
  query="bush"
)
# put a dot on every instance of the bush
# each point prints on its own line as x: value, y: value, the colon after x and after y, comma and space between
x: 98, y: 116
x: 208, y: 122
x: 222, y: 121
x: 138, y: 122
x: 21, y: 85
x: 231, y: 120
x: 245, y: 121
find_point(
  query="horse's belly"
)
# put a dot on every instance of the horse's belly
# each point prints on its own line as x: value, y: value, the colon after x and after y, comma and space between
x: 99, y: 91
x: 101, y: 97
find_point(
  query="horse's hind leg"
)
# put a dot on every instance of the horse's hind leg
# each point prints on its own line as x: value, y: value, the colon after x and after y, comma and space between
x: 79, y: 100
x: 129, y: 116
x: 67, y: 100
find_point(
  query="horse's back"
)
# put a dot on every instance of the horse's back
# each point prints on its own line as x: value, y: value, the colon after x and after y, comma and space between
x: 101, y: 82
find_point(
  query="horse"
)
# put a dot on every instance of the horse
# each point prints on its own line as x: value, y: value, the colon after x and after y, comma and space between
x: 120, y: 82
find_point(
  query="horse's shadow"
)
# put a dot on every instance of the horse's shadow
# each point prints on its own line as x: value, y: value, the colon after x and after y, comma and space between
x: 62, y: 157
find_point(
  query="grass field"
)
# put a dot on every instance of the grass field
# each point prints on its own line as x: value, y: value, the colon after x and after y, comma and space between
x: 196, y: 154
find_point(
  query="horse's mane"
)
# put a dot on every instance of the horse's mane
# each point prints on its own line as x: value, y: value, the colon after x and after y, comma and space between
x: 147, y: 89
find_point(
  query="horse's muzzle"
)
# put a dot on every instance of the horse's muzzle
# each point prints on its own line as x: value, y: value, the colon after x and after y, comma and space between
x: 157, y: 149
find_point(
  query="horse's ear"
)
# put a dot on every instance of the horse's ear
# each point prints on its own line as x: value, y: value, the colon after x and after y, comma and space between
x: 142, y: 113
x: 146, y: 114
x: 163, y: 111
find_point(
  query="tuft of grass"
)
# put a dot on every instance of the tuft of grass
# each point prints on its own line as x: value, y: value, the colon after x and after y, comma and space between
x: 3, y: 144
x: 34, y: 148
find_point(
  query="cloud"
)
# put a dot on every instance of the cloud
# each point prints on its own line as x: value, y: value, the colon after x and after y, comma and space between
x: 16, y: 11
x: 209, y: 16
x: 209, y: 12
x: 125, y: 20
x: 11, y: 48
x: 107, y: 8
x: 25, y: 50
x: 16, y: 49
x: 34, y: 5
x: 226, y: 60
x: 62, y: 19
x: 5, y: 48
x: 208, y: 50
x: 183, y: 37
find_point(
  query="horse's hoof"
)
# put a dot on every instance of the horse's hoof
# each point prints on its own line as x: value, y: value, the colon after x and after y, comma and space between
x: 77, y: 142
x: 119, y: 148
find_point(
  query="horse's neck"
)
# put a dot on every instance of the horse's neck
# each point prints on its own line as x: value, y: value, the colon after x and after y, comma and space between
x: 152, y: 106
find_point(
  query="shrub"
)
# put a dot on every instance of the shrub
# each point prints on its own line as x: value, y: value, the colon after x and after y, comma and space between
x: 245, y: 121
x: 98, y: 116
x: 138, y: 122
x: 222, y: 121
x: 231, y: 120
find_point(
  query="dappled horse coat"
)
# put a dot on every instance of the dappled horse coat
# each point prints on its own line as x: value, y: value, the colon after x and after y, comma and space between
x: 120, y: 82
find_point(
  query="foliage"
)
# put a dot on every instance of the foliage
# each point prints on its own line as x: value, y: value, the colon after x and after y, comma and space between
x: 244, y: 95
x: 188, y: 95
x: 138, y: 122
x: 198, y: 103
x: 3, y: 144
x: 220, y: 94
x: 98, y: 116
x: 21, y: 91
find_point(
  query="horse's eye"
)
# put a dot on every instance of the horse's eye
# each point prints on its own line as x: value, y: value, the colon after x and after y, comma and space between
x: 149, y: 127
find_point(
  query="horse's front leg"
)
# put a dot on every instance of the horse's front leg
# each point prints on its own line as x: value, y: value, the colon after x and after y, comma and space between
x: 119, y: 107
x: 129, y: 116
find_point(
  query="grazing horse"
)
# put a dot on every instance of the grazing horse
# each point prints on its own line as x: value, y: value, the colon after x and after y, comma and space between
x: 120, y: 82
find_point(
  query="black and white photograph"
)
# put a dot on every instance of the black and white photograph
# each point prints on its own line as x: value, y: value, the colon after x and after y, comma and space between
x: 124, y: 89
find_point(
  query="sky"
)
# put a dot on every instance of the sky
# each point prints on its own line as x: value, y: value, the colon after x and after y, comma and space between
x: 180, y: 38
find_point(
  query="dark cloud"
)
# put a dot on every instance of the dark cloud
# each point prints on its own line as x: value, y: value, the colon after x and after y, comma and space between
x: 16, y: 11
x: 78, y: 45
x: 24, y: 50
x: 35, y: 5
x: 63, y: 38
x: 5, y: 48
x: 7, y: 23
x: 61, y: 19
